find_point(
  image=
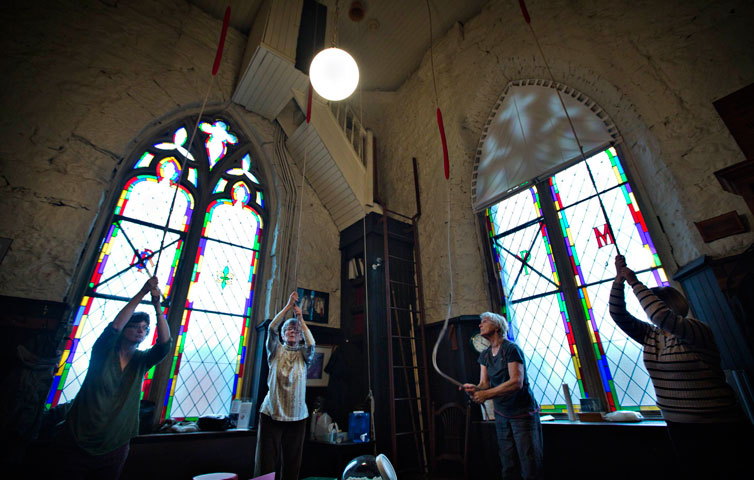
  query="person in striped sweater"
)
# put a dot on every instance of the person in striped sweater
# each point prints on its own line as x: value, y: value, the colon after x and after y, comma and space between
x: 707, y: 427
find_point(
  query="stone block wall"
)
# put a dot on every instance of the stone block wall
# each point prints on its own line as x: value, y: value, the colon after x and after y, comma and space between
x: 654, y: 67
x: 82, y: 81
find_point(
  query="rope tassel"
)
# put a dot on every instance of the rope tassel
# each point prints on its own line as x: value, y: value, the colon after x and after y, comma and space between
x: 445, y: 159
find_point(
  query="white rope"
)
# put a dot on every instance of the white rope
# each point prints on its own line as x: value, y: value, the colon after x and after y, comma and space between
x: 186, y: 151
x: 300, y: 214
x: 573, y: 130
x: 450, y: 263
x: 450, y: 303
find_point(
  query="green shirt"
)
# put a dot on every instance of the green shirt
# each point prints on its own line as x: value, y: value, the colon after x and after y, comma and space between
x: 105, y: 413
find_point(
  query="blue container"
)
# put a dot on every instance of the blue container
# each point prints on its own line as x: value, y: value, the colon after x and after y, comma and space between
x: 358, y: 427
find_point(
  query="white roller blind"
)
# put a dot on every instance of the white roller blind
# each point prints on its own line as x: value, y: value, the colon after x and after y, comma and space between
x: 528, y: 135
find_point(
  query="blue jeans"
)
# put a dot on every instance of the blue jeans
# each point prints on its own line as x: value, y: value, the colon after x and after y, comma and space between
x: 520, y: 443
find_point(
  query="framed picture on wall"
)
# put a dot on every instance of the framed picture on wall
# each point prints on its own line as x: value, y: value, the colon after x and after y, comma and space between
x: 315, y: 374
x: 315, y: 306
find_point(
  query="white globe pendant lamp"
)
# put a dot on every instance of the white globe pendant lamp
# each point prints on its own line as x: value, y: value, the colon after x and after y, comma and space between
x: 334, y: 74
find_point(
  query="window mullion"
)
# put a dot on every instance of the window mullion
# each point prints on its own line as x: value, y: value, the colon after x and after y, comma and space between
x: 591, y: 376
x: 179, y: 294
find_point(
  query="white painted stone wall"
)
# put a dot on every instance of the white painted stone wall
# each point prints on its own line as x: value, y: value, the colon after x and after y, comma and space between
x: 318, y: 251
x: 80, y: 81
x: 654, y: 67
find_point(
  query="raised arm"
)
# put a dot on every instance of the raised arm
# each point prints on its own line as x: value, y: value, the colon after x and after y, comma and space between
x: 272, y: 332
x: 162, y: 347
x: 305, y: 332
x: 163, y: 332
x: 690, y: 330
x: 308, y: 351
x: 632, y: 326
x: 125, y: 314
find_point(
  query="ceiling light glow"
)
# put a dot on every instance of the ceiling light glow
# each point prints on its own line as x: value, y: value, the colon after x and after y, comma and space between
x: 334, y: 74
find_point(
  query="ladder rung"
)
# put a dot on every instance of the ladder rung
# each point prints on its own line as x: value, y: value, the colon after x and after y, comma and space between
x: 407, y: 260
x: 404, y: 309
x: 403, y: 336
x: 408, y: 398
x: 404, y: 283
x: 413, y: 432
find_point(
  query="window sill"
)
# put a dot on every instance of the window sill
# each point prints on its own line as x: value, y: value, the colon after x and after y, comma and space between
x: 201, y: 435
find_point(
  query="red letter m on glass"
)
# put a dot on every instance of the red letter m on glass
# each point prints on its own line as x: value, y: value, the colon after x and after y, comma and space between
x: 603, y: 238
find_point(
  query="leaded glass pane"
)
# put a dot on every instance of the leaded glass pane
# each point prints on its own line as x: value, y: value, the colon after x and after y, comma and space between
x: 604, y: 172
x: 526, y: 266
x: 144, y: 161
x: 571, y: 185
x: 86, y: 332
x: 632, y: 386
x: 147, y: 200
x: 593, y: 251
x: 192, y: 176
x: 179, y: 145
x: 539, y: 330
x: 222, y: 283
x: 633, y: 238
x: 224, y: 278
x: 131, y: 258
x: 218, y: 139
x: 513, y: 212
x: 220, y: 185
x: 204, y: 385
x: 233, y: 223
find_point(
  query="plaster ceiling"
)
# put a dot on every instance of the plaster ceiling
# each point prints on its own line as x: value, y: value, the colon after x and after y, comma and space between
x: 388, y: 43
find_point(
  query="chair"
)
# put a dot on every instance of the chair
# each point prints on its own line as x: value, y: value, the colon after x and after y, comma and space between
x: 450, y: 441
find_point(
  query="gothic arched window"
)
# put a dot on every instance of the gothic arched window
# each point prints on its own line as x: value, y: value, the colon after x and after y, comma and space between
x: 556, y: 218
x: 207, y: 267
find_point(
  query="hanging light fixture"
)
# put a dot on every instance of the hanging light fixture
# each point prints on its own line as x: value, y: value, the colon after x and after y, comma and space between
x: 333, y: 72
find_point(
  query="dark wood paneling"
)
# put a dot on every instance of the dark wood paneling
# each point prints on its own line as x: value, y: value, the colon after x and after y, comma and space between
x: 186, y: 455
x: 584, y: 450
x: 375, y: 338
x: 737, y: 111
x: 710, y: 305
x: 455, y: 357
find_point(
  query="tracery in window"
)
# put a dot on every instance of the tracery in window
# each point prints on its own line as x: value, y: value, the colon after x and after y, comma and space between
x: 210, y: 257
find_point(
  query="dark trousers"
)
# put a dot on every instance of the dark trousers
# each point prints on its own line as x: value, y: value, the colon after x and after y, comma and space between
x: 713, y: 450
x: 279, y: 448
x: 519, y: 441
x: 77, y: 464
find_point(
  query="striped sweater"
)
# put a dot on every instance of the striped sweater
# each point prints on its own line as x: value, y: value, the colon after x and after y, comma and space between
x: 682, y: 360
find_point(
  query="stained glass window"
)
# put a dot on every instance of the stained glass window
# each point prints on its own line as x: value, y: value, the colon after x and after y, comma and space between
x: 214, y: 269
x: 533, y: 298
x: 597, y: 216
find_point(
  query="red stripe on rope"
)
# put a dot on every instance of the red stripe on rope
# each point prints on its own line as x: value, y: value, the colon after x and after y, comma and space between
x: 446, y: 162
x: 221, y: 44
x: 524, y: 11
x: 309, y: 104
